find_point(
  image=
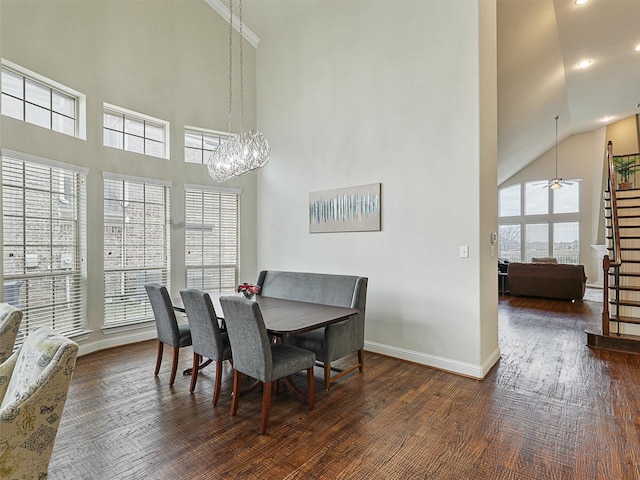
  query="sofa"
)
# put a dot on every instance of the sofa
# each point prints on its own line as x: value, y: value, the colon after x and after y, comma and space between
x: 548, y: 280
x: 334, y: 341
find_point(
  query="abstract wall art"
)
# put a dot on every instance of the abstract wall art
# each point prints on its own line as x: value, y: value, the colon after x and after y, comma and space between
x: 351, y: 209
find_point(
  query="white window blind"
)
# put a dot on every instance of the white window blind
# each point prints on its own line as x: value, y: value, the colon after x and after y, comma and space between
x: 212, y: 251
x: 136, y: 248
x: 44, y: 243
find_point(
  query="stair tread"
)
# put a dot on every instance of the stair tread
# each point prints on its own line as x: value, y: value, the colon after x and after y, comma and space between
x: 627, y: 288
x: 626, y: 303
x: 625, y: 319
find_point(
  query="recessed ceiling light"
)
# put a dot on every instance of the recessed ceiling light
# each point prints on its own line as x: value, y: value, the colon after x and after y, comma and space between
x: 638, y: 48
x: 606, y: 119
x: 584, y: 63
x: 581, y: 2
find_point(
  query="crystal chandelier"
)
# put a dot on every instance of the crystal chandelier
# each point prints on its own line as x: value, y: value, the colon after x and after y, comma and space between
x: 247, y: 151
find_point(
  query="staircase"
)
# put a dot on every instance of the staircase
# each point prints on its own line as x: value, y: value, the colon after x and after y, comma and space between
x: 621, y: 307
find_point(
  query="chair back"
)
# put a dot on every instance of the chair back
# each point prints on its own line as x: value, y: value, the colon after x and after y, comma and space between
x: 205, y: 332
x: 166, y: 322
x: 250, y: 342
x: 34, y: 383
x: 10, y: 319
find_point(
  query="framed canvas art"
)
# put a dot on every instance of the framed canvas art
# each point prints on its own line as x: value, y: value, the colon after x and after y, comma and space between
x: 351, y: 209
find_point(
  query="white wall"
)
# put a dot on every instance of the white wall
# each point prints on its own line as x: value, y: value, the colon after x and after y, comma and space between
x: 167, y: 59
x: 351, y: 93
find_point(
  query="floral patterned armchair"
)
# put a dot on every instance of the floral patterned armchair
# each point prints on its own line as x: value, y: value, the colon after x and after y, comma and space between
x: 33, y: 388
x: 10, y: 318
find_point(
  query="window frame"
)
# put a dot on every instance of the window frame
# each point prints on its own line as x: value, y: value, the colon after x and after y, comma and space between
x: 551, y: 219
x: 114, y: 110
x: 222, y: 138
x: 193, y: 194
x: 67, y: 314
x: 128, y: 305
x: 80, y: 99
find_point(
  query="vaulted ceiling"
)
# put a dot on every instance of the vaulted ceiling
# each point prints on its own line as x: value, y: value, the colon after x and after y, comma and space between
x: 540, y: 43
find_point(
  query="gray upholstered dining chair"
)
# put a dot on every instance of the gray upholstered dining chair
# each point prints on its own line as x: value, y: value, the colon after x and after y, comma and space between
x: 208, y: 340
x: 255, y: 355
x: 170, y: 332
x: 10, y: 319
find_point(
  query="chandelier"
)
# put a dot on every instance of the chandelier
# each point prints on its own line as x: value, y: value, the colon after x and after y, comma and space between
x: 247, y: 151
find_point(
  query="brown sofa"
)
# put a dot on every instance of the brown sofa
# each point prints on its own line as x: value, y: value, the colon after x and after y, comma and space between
x: 550, y: 280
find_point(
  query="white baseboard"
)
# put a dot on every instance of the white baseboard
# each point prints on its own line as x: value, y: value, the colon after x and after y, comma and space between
x: 441, y: 363
x: 116, y: 341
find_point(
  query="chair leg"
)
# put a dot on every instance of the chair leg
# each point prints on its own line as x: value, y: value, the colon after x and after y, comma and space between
x: 174, y: 366
x: 194, y: 372
x: 236, y: 392
x: 266, y: 405
x: 361, y: 359
x: 327, y: 376
x: 310, y: 387
x: 159, y: 357
x: 218, y: 382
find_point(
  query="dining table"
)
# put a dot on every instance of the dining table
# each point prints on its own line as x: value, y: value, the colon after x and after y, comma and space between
x: 285, y: 317
x: 282, y: 318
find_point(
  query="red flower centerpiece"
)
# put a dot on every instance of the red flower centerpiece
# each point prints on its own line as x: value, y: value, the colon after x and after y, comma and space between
x: 248, y: 290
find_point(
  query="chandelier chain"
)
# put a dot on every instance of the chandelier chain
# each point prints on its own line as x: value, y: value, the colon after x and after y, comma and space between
x: 246, y: 151
x: 230, y: 62
x: 241, y: 73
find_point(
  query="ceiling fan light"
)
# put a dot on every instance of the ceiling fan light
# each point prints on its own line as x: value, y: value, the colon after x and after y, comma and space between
x: 555, y: 186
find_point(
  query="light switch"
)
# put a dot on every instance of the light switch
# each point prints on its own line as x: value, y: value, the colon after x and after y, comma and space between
x: 464, y: 251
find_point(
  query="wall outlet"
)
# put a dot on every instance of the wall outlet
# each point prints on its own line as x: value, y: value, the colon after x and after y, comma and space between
x: 464, y: 251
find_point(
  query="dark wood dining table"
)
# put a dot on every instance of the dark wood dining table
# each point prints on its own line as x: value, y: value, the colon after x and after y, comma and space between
x: 285, y: 317
x: 282, y: 318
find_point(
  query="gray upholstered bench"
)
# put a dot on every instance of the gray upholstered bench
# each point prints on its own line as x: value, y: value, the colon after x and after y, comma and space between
x: 334, y: 341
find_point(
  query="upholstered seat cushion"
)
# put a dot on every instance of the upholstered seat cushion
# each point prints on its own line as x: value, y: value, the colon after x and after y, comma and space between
x: 287, y: 359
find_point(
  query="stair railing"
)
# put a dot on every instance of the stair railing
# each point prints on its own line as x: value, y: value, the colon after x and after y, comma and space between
x: 616, y: 259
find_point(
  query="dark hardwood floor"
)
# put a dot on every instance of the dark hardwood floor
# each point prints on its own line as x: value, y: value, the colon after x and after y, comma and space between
x: 551, y: 409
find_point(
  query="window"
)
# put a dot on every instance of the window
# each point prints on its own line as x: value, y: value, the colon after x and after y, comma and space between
x: 567, y: 199
x: 510, y: 243
x: 199, y: 143
x: 35, y: 99
x: 540, y: 233
x: 536, y: 199
x: 136, y: 246
x: 135, y: 132
x: 212, y: 239
x: 566, y: 242
x: 44, y: 242
x: 509, y: 203
x: 536, y: 240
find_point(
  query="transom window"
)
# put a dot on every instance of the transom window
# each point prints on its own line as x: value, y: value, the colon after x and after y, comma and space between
x: 136, y: 246
x: 135, y: 132
x: 212, y: 232
x: 44, y: 243
x: 40, y: 101
x: 199, y: 143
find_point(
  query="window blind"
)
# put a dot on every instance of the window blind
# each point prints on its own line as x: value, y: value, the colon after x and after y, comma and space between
x: 212, y: 239
x: 44, y: 243
x: 136, y: 248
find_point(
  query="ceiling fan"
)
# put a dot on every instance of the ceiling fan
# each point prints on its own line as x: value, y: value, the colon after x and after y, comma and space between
x: 557, y: 182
